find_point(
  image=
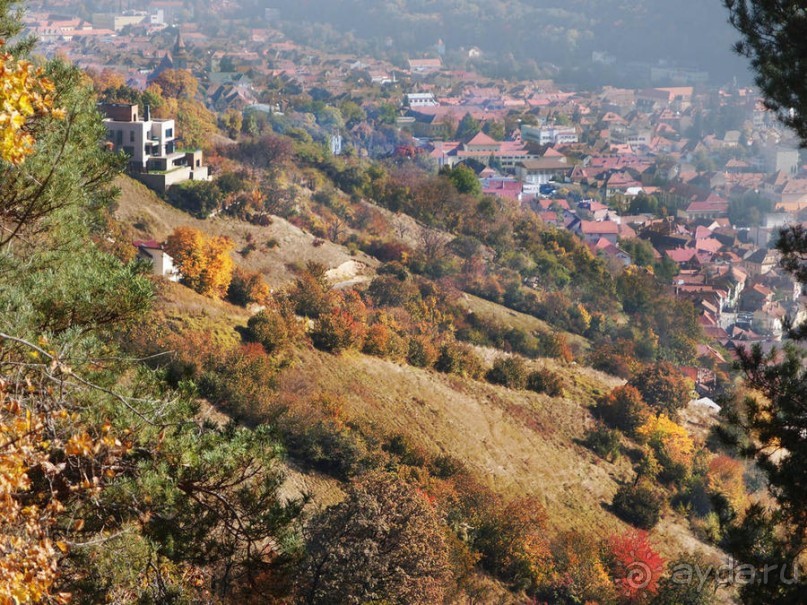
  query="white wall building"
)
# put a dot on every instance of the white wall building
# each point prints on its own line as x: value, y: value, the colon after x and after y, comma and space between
x: 549, y: 135
x: 151, y: 145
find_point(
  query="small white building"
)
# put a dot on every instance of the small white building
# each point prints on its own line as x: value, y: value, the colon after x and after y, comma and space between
x: 415, y: 100
x: 161, y: 262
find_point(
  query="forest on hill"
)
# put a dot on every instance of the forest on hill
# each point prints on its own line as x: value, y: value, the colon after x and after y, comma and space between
x: 524, y: 34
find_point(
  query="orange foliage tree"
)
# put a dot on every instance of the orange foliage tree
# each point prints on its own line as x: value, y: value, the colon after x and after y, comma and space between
x: 176, y: 91
x: 725, y: 477
x: 624, y: 409
x: 205, y: 264
x: 40, y: 439
x: 580, y: 575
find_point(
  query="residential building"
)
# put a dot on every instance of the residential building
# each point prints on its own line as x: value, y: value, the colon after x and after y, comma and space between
x: 151, y: 145
x: 537, y: 172
x: 550, y: 135
x: 161, y: 262
x: 420, y: 99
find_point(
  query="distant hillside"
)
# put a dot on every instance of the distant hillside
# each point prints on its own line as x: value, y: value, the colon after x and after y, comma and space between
x: 691, y: 33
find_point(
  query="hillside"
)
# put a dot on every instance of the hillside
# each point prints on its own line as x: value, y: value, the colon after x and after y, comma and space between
x: 150, y: 217
x: 516, y: 442
x: 563, y: 33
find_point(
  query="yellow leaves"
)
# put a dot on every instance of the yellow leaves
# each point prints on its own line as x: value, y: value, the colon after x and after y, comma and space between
x: 725, y: 477
x: 205, y: 264
x: 669, y: 438
x: 80, y: 445
x: 29, y: 563
x: 25, y: 94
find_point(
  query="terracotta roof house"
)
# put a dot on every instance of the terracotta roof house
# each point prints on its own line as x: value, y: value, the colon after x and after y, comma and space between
x: 593, y: 231
x: 536, y: 172
x: 712, y: 207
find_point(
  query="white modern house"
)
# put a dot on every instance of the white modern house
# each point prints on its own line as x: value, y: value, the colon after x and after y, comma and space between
x: 151, y: 145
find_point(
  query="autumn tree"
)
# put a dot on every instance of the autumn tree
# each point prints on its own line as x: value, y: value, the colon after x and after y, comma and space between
x: 106, y: 79
x: 25, y: 97
x: 176, y: 91
x: 247, y: 288
x: 232, y: 121
x: 725, y: 480
x: 177, y: 83
x: 581, y: 574
x: 204, y: 263
x: 29, y: 195
x: 343, y: 326
x: 640, y: 504
x: 510, y: 372
x: 623, y: 408
x: 272, y: 327
x: 636, y: 566
x: 672, y: 445
x: 663, y: 387
x: 310, y: 293
x: 511, y: 538
x: 383, y: 543
x: 546, y: 381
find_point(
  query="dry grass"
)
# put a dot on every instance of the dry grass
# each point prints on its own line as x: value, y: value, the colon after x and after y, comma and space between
x: 151, y: 217
x: 184, y: 310
x: 519, y: 443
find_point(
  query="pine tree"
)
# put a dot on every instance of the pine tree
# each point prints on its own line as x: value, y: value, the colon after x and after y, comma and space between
x: 774, y: 38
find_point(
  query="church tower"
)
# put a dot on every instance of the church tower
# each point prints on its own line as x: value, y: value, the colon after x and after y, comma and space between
x: 179, y: 54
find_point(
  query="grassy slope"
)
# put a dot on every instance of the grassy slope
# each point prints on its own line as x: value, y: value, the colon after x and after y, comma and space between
x: 516, y: 319
x: 151, y: 217
x: 517, y: 442
x: 520, y: 443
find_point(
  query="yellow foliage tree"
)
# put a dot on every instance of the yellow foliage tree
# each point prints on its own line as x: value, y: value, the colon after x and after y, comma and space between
x: 177, y: 89
x: 669, y: 439
x: 219, y: 270
x: 30, y: 512
x: 25, y: 95
x: 205, y: 264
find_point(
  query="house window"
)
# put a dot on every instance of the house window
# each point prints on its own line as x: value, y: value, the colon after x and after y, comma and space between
x: 131, y: 136
x: 169, y: 132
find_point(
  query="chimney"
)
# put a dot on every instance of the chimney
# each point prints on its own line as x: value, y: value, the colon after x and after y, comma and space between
x: 147, y: 113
